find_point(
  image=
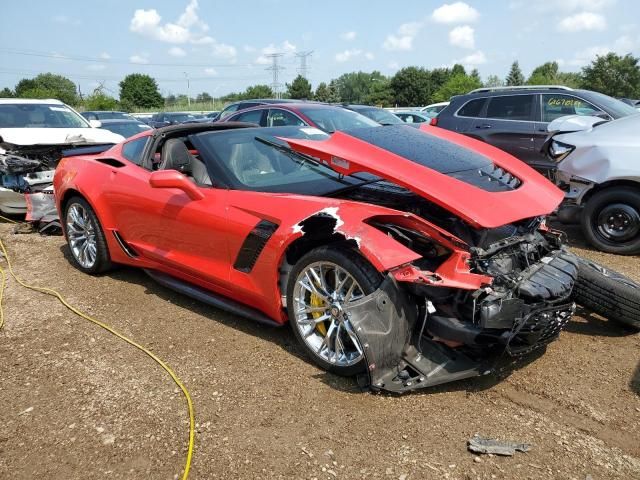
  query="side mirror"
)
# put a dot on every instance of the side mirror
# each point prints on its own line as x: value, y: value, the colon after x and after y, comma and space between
x: 95, y: 123
x: 174, y: 179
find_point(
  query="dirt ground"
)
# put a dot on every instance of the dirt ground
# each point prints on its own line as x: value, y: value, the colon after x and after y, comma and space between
x: 77, y: 403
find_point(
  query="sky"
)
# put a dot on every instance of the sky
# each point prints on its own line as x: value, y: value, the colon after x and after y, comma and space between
x: 193, y: 46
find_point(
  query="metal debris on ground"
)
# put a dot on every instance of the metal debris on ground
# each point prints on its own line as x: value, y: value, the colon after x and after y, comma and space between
x: 478, y: 444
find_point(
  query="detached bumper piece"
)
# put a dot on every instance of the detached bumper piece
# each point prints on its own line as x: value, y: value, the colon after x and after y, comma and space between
x: 397, y: 360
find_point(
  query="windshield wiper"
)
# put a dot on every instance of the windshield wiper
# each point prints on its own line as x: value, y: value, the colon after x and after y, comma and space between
x: 288, y: 150
x: 354, y: 186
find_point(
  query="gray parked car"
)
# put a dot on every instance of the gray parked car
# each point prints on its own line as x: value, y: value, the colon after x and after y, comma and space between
x: 597, y: 166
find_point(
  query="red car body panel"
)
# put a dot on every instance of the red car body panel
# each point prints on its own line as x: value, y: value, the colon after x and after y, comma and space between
x: 535, y: 196
x: 198, y: 240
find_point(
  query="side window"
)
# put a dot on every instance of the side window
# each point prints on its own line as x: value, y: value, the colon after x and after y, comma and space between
x: 511, y: 107
x: 90, y: 116
x: 252, y: 117
x: 417, y: 119
x: 132, y: 150
x: 555, y: 106
x: 472, y: 108
x: 282, y: 118
x: 229, y: 110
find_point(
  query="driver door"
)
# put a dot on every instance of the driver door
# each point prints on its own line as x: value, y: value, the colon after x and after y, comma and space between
x: 163, y: 225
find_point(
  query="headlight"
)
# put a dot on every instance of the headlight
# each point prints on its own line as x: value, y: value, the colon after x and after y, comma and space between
x: 558, y: 150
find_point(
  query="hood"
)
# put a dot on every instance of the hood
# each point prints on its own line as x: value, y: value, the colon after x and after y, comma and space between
x: 481, y: 184
x: 32, y: 136
x: 607, y: 152
x: 574, y: 123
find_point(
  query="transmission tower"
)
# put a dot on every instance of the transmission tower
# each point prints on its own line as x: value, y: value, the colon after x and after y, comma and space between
x: 275, y: 68
x: 304, y: 68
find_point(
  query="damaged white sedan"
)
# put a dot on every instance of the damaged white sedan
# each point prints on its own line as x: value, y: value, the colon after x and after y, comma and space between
x: 33, y: 135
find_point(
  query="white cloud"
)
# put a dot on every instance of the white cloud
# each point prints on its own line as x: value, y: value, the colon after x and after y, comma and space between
x: 140, y: 59
x: 96, y: 67
x: 393, y: 65
x: 348, y: 36
x: 570, y: 5
x: 458, y: 12
x: 347, y: 55
x: 622, y: 46
x: 285, y: 47
x: 189, y: 28
x: 223, y: 50
x: 177, y: 52
x: 105, y: 56
x: 403, y: 39
x: 249, y: 49
x: 369, y: 56
x: 462, y: 37
x: 583, y: 21
x: 474, y: 59
x: 211, y: 72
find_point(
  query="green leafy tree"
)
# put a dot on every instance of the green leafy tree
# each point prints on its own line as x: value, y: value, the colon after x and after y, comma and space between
x: 99, y: 101
x: 613, y: 75
x: 48, y: 85
x: 300, y: 88
x: 204, y: 97
x: 170, y: 100
x: 570, y: 79
x: 138, y: 90
x: 6, y: 93
x: 493, y: 81
x: 334, y: 93
x: 458, y: 70
x: 412, y: 86
x: 257, y: 91
x: 545, y: 74
x: 380, y: 93
x: 515, y: 76
x: 322, y: 92
x: 456, y: 85
x: 355, y: 86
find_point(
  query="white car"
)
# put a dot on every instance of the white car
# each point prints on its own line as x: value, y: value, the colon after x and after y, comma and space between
x: 25, y: 122
x: 434, y: 108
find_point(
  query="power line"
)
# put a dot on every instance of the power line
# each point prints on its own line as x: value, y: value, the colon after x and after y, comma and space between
x: 275, y: 68
x: 303, y: 69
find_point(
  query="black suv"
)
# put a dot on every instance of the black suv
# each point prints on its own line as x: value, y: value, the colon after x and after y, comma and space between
x: 515, y: 119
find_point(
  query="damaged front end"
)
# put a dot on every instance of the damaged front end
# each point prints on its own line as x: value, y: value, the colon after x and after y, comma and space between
x: 456, y: 314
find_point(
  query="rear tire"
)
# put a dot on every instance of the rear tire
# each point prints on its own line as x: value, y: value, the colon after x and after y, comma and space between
x: 607, y: 293
x: 85, y: 237
x: 611, y: 220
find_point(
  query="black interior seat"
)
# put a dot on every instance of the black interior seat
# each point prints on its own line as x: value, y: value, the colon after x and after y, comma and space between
x: 176, y: 156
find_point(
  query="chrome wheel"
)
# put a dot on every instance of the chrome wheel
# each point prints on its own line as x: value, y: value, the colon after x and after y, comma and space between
x: 321, y: 298
x: 81, y: 233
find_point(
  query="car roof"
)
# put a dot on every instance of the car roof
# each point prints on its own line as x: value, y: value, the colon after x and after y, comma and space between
x: 46, y: 101
x: 104, y: 111
x: 113, y: 121
x: 189, y: 128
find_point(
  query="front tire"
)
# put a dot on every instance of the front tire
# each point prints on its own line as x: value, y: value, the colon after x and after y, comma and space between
x: 611, y: 220
x: 85, y: 237
x: 320, y: 288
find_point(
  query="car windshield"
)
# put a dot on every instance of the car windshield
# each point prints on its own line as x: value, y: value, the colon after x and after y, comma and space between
x: 127, y: 129
x: 113, y: 115
x: 333, y: 119
x: 381, y: 116
x: 37, y: 115
x: 256, y: 159
x: 615, y: 107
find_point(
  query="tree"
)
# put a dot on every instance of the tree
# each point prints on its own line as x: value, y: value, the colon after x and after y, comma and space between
x: 456, y: 85
x: 412, y: 86
x: 257, y: 91
x: 613, y: 75
x: 322, y: 93
x: 6, y: 93
x: 515, y: 76
x: 48, y: 85
x: 493, y: 81
x: 458, y: 70
x: 380, y: 93
x: 355, y: 86
x: 545, y: 74
x: 204, y: 97
x: 138, y: 90
x: 570, y: 79
x: 99, y: 101
x: 300, y: 88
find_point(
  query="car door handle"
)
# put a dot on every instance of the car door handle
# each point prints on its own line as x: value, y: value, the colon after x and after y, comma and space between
x: 542, y: 130
x: 483, y: 126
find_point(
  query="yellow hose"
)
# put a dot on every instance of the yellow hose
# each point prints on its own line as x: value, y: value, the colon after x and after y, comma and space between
x: 111, y: 330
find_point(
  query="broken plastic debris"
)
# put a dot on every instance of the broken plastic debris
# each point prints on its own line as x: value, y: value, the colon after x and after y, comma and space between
x: 478, y: 444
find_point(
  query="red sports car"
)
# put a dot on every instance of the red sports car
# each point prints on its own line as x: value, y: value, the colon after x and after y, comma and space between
x: 411, y: 256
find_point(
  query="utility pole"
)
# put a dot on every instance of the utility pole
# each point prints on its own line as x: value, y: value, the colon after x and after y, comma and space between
x: 303, y: 69
x: 275, y: 68
x: 188, y: 93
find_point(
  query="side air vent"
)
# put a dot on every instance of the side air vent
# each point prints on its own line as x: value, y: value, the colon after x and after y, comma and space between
x: 500, y: 175
x: 253, y: 245
x: 111, y: 162
x: 126, y: 248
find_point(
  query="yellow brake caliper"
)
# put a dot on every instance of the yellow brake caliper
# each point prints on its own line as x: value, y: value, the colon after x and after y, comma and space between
x: 316, y: 301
